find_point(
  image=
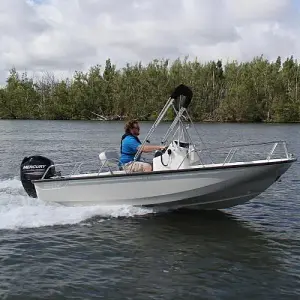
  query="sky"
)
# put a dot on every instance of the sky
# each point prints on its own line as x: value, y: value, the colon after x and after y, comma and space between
x: 61, y: 36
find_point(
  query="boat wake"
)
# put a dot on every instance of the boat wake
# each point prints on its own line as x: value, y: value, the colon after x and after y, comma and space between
x: 17, y: 210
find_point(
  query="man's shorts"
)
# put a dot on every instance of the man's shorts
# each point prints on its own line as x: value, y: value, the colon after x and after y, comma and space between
x: 137, y: 166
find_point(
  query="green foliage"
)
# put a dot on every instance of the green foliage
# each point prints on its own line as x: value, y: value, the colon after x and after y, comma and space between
x: 255, y: 91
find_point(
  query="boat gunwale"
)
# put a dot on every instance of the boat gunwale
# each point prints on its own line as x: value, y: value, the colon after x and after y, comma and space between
x: 163, y: 172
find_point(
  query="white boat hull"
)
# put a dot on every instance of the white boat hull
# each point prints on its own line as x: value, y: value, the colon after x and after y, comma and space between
x: 213, y: 187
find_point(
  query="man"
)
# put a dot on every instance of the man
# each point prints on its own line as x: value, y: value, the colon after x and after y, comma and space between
x: 130, y: 145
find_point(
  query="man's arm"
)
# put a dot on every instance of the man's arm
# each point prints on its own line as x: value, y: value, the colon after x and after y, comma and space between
x: 150, y: 148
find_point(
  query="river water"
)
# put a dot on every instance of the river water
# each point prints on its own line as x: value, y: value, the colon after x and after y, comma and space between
x: 54, y: 252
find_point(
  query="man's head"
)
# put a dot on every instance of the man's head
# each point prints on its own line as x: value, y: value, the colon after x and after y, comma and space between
x: 132, y: 127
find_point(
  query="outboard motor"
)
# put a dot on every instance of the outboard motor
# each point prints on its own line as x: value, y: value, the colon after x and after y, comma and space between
x: 33, y: 168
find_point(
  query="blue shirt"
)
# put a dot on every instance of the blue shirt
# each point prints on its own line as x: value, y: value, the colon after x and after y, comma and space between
x: 128, y: 149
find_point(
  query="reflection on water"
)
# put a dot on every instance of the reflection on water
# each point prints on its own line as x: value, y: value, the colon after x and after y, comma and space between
x: 203, y: 233
x: 213, y: 253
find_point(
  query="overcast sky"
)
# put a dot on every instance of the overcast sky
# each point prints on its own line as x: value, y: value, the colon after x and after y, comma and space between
x: 66, y: 35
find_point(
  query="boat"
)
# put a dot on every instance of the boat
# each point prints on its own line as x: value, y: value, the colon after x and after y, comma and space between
x: 185, y: 173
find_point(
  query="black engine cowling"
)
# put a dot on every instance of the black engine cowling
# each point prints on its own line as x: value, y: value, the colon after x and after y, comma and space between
x: 33, y: 168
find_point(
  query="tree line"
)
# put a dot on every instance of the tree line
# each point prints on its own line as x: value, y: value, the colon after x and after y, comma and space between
x: 254, y: 91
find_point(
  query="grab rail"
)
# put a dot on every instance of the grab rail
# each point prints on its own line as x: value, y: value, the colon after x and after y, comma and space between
x: 77, y: 166
x: 234, y: 149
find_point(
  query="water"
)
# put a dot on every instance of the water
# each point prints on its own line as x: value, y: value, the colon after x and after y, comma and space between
x: 54, y: 252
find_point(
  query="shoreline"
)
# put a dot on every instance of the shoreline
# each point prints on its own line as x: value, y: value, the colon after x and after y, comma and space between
x: 259, y: 91
x: 151, y: 121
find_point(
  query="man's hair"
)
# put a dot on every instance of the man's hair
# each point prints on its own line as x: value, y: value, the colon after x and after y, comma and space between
x: 130, y: 124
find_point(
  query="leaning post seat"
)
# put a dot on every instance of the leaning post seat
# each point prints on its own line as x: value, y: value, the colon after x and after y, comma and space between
x: 109, y: 158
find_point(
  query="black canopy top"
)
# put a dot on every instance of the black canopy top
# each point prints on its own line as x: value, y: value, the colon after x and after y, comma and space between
x: 185, y: 100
